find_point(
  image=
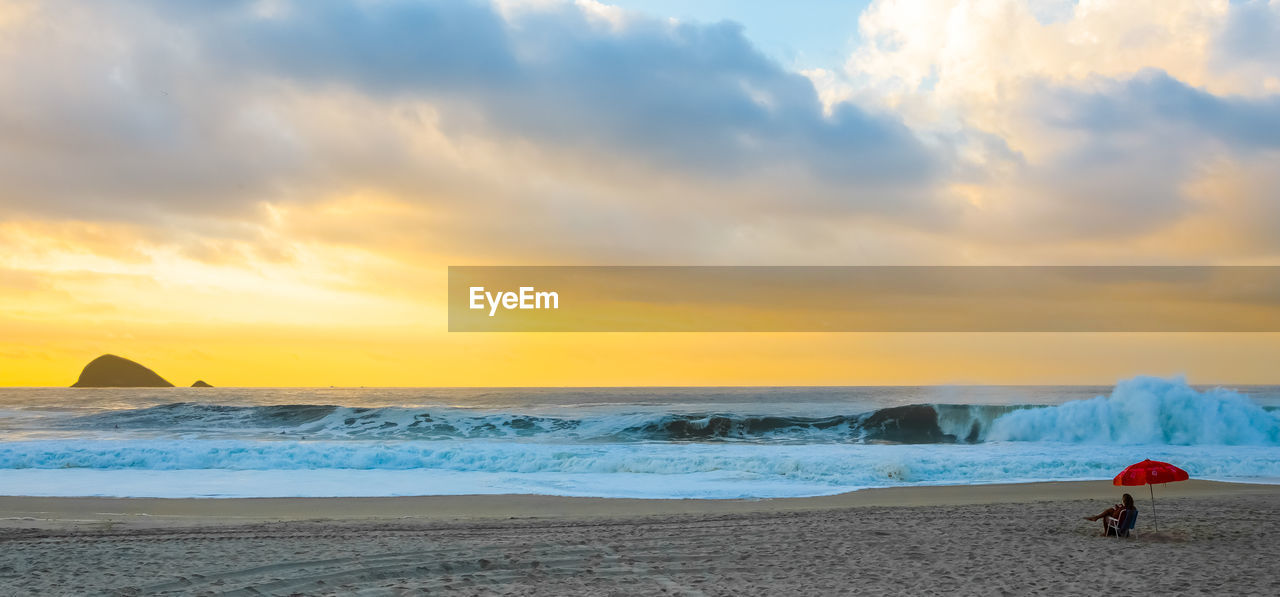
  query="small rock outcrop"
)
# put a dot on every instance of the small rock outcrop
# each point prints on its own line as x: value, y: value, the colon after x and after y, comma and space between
x: 111, y: 371
x: 200, y: 384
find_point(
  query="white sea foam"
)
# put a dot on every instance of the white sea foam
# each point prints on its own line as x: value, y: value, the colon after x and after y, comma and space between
x: 1146, y: 411
x: 689, y: 451
x: 136, y: 468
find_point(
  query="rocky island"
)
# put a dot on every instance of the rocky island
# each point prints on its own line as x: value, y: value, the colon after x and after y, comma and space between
x: 111, y: 371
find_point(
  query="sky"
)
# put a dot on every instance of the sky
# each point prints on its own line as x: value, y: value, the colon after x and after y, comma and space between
x: 269, y: 192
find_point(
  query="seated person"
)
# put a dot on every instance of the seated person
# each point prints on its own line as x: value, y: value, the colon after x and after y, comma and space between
x: 1126, y: 503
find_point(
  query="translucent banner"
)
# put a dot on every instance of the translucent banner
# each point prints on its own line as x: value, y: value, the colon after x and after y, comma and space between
x: 864, y: 299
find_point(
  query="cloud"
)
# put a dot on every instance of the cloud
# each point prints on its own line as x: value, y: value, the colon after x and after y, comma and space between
x: 1125, y: 150
x: 378, y: 47
x: 549, y: 131
x: 1247, y: 51
x: 1101, y: 116
x: 213, y: 107
x: 1155, y: 105
x: 684, y: 99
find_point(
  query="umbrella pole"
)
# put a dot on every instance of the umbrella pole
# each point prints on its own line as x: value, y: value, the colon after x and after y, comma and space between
x: 1153, y: 506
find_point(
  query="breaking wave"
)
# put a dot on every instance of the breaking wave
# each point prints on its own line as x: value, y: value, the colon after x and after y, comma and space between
x: 694, y: 450
x: 1145, y: 410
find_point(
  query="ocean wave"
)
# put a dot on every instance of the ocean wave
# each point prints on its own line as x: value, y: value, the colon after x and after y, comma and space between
x: 1139, y: 411
x: 926, y: 423
x: 1146, y: 411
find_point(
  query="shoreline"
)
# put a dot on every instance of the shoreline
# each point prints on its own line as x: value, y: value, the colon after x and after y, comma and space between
x: 64, y: 512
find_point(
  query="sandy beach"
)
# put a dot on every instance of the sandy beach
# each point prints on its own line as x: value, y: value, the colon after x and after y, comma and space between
x: 1214, y: 538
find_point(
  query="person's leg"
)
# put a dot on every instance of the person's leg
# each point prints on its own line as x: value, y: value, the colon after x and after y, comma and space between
x: 1103, y: 515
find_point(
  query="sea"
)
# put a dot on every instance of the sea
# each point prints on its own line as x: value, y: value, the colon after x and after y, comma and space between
x: 667, y: 443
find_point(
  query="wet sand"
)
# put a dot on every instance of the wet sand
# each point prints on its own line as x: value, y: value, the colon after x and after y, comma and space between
x: 1214, y: 538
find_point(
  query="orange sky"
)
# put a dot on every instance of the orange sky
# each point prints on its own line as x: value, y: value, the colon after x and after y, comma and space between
x: 220, y: 192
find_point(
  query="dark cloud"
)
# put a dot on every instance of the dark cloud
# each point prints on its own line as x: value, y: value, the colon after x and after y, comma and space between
x: 1133, y: 144
x: 377, y: 47
x: 110, y: 114
x: 1160, y: 108
x: 178, y: 105
x: 1252, y: 34
x: 697, y: 99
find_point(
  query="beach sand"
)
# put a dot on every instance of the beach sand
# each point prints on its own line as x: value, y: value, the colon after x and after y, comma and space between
x: 1214, y: 538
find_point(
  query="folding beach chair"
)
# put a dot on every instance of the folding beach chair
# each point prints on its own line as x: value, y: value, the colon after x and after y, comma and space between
x: 1121, y: 525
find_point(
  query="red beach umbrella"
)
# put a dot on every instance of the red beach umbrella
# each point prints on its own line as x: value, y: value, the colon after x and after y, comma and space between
x: 1150, y: 472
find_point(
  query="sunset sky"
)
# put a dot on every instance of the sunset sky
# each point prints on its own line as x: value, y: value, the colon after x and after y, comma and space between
x: 269, y: 192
